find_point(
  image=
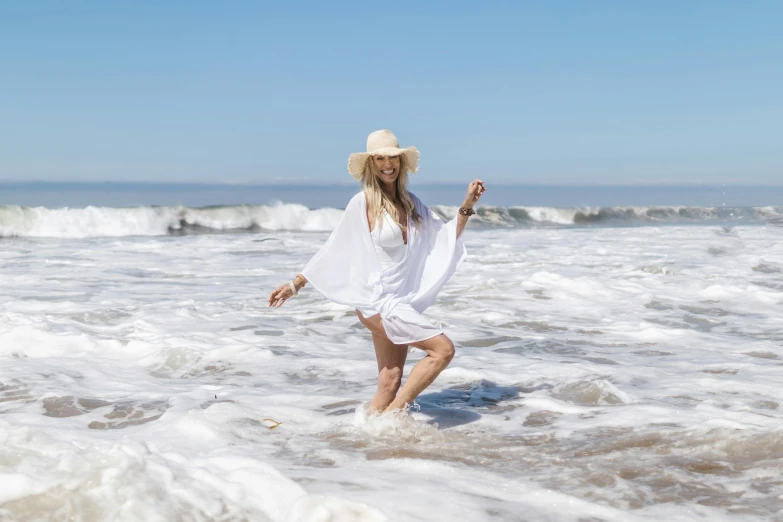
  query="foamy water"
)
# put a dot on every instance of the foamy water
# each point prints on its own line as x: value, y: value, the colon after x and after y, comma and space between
x: 614, y: 374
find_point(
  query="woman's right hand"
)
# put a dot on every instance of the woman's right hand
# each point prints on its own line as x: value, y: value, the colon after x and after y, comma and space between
x: 475, y: 190
x: 279, y: 295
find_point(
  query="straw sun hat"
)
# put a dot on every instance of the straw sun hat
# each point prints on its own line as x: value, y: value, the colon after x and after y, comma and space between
x: 382, y: 143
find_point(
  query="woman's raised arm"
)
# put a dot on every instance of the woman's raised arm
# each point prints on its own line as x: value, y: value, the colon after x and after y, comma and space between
x: 475, y: 190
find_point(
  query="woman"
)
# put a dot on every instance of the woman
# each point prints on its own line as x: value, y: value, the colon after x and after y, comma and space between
x: 388, y: 258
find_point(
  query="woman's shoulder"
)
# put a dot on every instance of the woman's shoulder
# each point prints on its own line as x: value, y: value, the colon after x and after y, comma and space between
x: 357, y: 205
x: 417, y: 202
x: 414, y: 198
x: 358, y: 199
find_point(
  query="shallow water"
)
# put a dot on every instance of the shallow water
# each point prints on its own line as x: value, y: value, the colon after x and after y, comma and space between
x: 601, y: 374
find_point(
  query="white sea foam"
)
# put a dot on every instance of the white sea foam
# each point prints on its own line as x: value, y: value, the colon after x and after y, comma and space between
x: 157, y: 221
x: 616, y: 374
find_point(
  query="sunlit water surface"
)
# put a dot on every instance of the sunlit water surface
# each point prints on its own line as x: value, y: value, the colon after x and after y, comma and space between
x: 611, y: 374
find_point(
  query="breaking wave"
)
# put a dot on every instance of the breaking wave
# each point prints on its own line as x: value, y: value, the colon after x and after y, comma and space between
x: 158, y: 221
x: 18, y: 221
x: 504, y: 217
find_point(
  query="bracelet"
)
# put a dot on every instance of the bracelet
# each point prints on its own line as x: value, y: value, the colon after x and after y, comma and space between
x: 466, y: 211
x: 293, y: 288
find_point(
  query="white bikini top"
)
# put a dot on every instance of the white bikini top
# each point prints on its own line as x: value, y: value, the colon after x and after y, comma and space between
x: 388, y: 240
x: 387, y: 232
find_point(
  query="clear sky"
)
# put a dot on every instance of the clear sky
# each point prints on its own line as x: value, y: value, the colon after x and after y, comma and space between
x: 518, y: 91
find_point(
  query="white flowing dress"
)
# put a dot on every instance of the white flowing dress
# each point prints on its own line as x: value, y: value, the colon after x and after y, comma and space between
x: 374, y: 273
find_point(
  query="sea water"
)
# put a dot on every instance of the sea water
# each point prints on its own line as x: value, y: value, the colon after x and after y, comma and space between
x: 615, y: 363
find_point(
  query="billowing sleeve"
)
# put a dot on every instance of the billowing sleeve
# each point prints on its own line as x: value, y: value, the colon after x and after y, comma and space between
x: 438, y: 255
x: 346, y: 268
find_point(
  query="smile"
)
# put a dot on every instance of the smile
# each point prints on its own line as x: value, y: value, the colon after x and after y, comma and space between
x: 387, y: 172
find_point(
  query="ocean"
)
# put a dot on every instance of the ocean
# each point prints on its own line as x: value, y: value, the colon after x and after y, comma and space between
x: 619, y: 358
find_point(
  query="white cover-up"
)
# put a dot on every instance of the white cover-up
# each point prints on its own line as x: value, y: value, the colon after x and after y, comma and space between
x: 347, y: 270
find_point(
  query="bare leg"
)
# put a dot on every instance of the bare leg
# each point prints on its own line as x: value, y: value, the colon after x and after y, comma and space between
x: 391, y: 360
x: 440, y: 352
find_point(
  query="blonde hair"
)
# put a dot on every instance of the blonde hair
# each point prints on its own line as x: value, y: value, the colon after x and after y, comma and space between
x: 378, y: 200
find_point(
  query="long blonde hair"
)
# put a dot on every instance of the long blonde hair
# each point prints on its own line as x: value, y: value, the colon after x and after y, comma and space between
x: 378, y: 200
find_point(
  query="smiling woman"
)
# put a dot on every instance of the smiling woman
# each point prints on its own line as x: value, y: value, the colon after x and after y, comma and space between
x: 388, y: 258
x: 388, y: 170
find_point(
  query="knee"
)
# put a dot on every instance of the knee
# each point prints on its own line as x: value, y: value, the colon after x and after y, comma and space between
x: 389, y: 379
x: 445, y: 351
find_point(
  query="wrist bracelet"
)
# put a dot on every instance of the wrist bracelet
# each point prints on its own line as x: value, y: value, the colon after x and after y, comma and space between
x: 466, y: 211
x: 293, y: 288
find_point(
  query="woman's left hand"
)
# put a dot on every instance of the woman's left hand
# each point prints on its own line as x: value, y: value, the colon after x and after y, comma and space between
x: 475, y: 190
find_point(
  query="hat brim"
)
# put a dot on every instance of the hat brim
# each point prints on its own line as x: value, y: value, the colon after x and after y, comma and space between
x: 357, y: 161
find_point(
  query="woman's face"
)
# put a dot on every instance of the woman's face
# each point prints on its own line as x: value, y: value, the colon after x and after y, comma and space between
x: 387, y: 168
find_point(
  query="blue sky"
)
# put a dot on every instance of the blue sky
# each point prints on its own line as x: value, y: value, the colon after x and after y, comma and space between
x: 528, y: 92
